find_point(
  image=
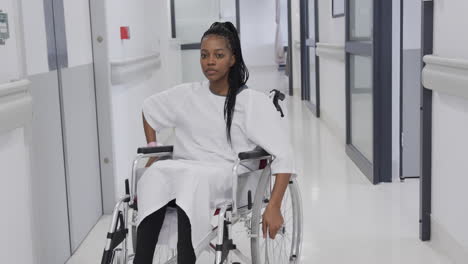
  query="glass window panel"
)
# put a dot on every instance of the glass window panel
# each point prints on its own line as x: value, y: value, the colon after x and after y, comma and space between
x: 361, y: 19
x: 311, y: 8
x: 227, y: 11
x: 361, y: 104
x: 312, y: 76
x: 193, y: 17
x: 284, y: 22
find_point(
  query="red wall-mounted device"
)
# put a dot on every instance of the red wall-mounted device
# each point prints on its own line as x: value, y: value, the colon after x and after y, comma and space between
x: 124, y: 32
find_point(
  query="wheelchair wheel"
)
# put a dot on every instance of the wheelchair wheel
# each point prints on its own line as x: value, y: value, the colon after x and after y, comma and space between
x: 286, y: 247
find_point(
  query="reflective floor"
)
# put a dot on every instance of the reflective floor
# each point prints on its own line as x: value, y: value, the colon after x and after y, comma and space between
x: 346, y: 219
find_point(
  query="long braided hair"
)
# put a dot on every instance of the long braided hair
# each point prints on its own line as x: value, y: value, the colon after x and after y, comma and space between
x: 238, y: 74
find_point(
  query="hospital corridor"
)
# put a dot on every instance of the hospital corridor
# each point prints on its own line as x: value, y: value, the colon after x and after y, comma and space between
x: 234, y: 131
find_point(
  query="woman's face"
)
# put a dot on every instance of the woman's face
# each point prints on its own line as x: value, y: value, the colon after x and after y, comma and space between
x: 216, y: 57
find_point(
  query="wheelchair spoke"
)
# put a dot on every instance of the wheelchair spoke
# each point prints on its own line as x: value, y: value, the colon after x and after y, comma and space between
x: 281, y: 249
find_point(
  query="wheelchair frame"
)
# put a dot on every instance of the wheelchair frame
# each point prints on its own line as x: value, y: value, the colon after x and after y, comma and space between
x: 227, y: 212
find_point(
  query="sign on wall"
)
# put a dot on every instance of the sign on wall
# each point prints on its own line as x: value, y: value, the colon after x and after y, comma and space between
x: 4, y: 29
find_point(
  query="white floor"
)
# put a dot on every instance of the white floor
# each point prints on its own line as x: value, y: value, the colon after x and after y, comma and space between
x: 346, y: 218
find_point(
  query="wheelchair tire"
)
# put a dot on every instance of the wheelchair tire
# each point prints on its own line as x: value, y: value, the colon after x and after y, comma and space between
x: 286, y: 247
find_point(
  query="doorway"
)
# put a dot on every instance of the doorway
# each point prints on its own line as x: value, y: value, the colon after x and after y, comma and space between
x: 310, y: 60
x: 189, y: 20
x: 368, y: 50
x: 65, y: 157
x: 410, y: 83
x: 426, y: 128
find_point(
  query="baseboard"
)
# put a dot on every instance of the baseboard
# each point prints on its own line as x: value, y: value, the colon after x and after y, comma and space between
x: 445, y: 244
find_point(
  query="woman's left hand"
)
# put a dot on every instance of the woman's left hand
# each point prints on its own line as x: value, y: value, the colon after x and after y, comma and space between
x: 272, y: 221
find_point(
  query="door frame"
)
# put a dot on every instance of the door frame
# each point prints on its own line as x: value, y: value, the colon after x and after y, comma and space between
x: 425, y: 185
x: 103, y: 102
x: 305, y: 57
x: 400, y: 173
x: 380, y: 49
x: 290, y: 51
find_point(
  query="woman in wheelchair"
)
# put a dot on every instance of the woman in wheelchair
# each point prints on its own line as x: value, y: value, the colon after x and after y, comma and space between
x: 214, y: 120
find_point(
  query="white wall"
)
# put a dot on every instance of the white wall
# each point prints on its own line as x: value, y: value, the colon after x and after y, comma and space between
x: 450, y: 20
x: 16, y: 242
x: 449, y: 171
x: 284, y: 21
x: 332, y: 72
x: 78, y: 32
x: 193, y: 18
x: 332, y: 30
x: 144, y: 20
x: 412, y: 18
x: 449, y: 138
x: 35, y: 37
x: 258, y: 29
x: 150, y: 33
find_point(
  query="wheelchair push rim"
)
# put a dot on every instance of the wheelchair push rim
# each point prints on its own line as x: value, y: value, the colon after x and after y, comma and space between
x: 286, y: 247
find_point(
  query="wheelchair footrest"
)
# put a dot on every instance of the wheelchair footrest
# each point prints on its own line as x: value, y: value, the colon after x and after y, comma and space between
x: 117, y: 237
x: 228, y: 245
x: 114, y: 239
x: 107, y: 257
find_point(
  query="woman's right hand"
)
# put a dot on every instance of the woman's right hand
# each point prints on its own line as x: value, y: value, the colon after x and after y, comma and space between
x: 150, y: 135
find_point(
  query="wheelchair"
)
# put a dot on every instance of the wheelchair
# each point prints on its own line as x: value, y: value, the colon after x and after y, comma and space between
x: 237, y: 235
x: 219, y: 244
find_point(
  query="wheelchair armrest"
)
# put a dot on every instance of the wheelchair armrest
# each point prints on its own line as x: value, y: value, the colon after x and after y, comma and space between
x: 254, y: 154
x: 151, y: 150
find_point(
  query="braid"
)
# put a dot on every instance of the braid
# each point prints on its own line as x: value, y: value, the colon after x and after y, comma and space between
x: 238, y: 74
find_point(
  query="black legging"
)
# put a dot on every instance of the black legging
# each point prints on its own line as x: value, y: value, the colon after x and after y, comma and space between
x: 148, y: 233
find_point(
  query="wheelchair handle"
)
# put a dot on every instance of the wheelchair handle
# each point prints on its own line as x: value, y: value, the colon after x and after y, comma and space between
x: 278, y: 96
x: 127, y: 187
x: 146, y: 152
x: 254, y: 154
x: 151, y: 150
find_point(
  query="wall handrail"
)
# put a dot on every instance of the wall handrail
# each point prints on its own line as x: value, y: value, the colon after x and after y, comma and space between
x: 131, y: 69
x: 15, y: 105
x: 140, y: 59
x: 446, y: 75
x: 14, y: 87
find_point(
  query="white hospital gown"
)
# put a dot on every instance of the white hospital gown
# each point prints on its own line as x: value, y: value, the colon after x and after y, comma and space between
x: 200, y: 175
